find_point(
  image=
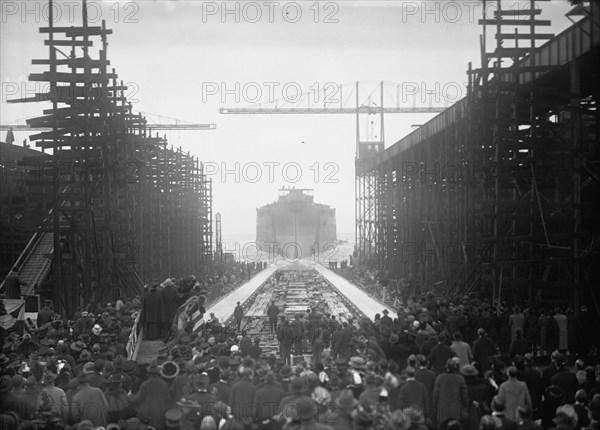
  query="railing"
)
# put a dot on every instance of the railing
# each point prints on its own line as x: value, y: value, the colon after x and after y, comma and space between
x: 135, y: 339
x: 31, y: 245
x: 33, y: 242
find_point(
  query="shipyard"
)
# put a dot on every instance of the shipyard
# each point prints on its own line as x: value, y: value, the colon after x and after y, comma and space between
x: 375, y: 215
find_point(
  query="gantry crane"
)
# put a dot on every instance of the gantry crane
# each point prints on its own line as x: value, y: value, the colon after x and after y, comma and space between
x: 367, y: 147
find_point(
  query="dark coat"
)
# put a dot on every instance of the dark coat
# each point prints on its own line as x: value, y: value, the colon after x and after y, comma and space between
x: 90, y: 404
x: 12, y: 286
x: 153, y: 400
x: 238, y: 312
x: 44, y: 316
x: 566, y: 380
x: 438, y: 357
x: 152, y: 307
x: 241, y: 398
x: 450, y: 396
x: 267, y: 400
x: 412, y: 392
x: 483, y: 348
x: 533, y: 378
x: 170, y: 301
x: 222, y: 391
x: 273, y: 312
x: 427, y: 377
x: 206, y: 401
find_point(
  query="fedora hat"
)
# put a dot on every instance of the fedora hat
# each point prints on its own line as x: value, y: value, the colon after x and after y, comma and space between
x: 78, y: 346
x: 115, y: 378
x: 169, y: 370
x: 469, y: 370
x: 346, y: 400
x: 48, y: 377
x: 285, y: 371
x: 297, y: 385
x: 357, y: 363
x: 88, y: 368
x: 85, y: 355
x: 129, y: 367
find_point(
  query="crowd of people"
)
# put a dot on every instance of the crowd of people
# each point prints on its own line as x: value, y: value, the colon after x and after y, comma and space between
x: 434, y: 365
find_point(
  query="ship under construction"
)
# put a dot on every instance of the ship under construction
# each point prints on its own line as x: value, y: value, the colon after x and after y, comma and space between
x: 295, y: 226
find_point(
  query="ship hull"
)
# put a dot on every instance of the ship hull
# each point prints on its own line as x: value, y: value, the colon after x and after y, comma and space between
x: 296, y: 230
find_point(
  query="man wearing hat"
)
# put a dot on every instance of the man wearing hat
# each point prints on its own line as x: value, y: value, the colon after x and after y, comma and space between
x: 346, y: 404
x: 483, y: 349
x: 238, y: 314
x: 297, y: 388
x: 27, y: 345
x: 45, y: 315
x: 386, y: 321
x: 170, y: 303
x: 450, y: 393
x: 10, y: 401
x: 52, y: 399
x: 565, y: 379
x: 273, y: 314
x: 13, y: 283
x: 305, y: 412
x: 268, y: 397
x: 201, y: 395
x: 89, y: 403
x: 355, y: 379
x: 153, y: 396
x: 97, y: 378
x: 284, y: 377
x: 285, y: 336
x: 412, y: 393
x: 173, y: 418
x: 513, y: 393
x: 222, y: 388
x: 369, y: 397
x: 241, y: 398
x: 152, y: 316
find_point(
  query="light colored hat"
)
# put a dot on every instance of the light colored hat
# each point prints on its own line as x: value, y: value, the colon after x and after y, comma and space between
x: 97, y: 330
x: 234, y: 348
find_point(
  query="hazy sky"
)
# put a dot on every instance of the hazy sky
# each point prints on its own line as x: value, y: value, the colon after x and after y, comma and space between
x: 178, y: 56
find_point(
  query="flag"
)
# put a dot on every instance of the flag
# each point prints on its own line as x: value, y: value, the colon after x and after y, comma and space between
x: 11, y: 311
x: 189, y: 314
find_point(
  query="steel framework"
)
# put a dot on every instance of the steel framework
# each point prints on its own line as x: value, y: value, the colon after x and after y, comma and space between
x: 499, y: 193
x: 122, y: 205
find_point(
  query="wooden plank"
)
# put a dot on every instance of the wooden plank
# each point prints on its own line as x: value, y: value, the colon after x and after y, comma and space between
x: 518, y: 12
x: 73, y: 62
x: 511, y: 52
x: 76, y: 31
x: 537, y: 36
x: 492, y: 21
x: 87, y: 43
x: 75, y: 78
